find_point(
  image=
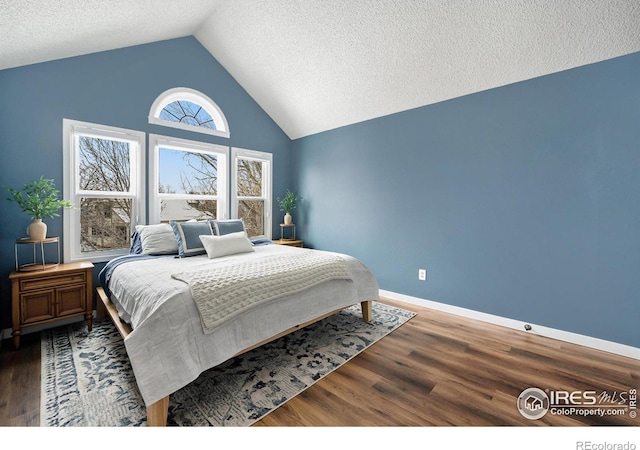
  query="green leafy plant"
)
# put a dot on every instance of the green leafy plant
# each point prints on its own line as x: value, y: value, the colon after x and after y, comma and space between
x: 39, y: 199
x: 289, y: 202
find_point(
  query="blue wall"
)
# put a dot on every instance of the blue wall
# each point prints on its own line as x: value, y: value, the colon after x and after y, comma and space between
x: 521, y: 201
x: 113, y: 88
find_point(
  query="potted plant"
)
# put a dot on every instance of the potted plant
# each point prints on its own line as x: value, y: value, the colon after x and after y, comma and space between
x: 40, y: 200
x: 288, y: 204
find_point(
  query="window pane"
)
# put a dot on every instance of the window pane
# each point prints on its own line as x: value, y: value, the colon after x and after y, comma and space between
x: 182, y: 172
x: 252, y: 211
x: 182, y: 111
x: 105, y: 224
x: 249, y: 178
x: 181, y: 210
x: 104, y: 164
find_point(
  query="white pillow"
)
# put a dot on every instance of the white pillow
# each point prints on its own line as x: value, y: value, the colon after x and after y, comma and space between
x: 157, y: 239
x: 228, y: 244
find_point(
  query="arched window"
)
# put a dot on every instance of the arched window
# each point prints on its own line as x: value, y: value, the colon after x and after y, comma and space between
x: 189, y: 109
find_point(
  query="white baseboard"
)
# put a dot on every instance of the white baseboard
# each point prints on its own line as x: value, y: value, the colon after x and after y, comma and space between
x: 566, y: 336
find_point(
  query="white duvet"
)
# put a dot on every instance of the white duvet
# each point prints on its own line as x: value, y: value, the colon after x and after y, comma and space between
x: 168, y: 348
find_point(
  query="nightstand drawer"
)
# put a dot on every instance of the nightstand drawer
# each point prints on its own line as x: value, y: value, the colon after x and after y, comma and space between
x: 27, y: 284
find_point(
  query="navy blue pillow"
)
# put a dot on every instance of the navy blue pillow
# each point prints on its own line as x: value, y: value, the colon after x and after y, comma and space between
x: 136, y: 244
x: 222, y: 227
x: 188, y: 237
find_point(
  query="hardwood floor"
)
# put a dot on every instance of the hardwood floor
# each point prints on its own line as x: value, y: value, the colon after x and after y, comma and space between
x: 437, y: 369
x: 20, y: 382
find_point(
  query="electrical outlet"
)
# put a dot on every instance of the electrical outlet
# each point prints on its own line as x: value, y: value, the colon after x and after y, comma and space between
x: 422, y: 274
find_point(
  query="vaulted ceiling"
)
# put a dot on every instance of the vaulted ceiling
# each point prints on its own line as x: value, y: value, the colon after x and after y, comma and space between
x: 315, y: 65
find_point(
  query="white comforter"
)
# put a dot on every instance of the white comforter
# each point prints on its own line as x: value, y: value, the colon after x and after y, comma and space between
x: 168, y: 348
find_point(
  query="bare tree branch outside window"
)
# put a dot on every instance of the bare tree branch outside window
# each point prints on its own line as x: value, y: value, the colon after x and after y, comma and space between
x: 104, y: 165
x: 187, y: 174
x: 183, y: 111
x: 250, y: 185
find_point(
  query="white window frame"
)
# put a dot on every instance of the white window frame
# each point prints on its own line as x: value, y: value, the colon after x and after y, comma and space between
x: 267, y: 184
x: 155, y: 197
x: 193, y: 96
x: 71, y: 216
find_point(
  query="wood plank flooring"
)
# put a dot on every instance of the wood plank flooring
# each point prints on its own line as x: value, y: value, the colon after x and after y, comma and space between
x: 436, y: 370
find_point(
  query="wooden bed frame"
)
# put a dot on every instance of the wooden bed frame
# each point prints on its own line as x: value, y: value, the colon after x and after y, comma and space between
x: 157, y: 412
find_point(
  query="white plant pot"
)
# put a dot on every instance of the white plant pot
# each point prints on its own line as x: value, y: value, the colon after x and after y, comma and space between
x: 287, y: 219
x: 37, y: 230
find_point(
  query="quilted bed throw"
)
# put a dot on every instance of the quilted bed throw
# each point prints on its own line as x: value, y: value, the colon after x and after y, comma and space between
x: 226, y: 290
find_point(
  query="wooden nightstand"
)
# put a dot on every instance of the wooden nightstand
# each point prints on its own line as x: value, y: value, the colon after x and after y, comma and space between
x: 43, y: 296
x: 290, y: 242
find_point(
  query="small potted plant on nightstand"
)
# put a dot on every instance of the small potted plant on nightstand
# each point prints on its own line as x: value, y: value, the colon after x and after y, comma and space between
x: 288, y: 204
x: 40, y: 200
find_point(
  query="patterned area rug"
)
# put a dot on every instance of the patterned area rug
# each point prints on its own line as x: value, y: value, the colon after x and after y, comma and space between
x: 87, y: 379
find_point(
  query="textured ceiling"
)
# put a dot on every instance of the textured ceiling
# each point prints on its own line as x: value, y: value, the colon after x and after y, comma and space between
x: 315, y: 65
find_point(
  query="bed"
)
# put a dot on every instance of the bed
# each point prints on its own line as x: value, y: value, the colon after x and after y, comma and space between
x: 188, y: 300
